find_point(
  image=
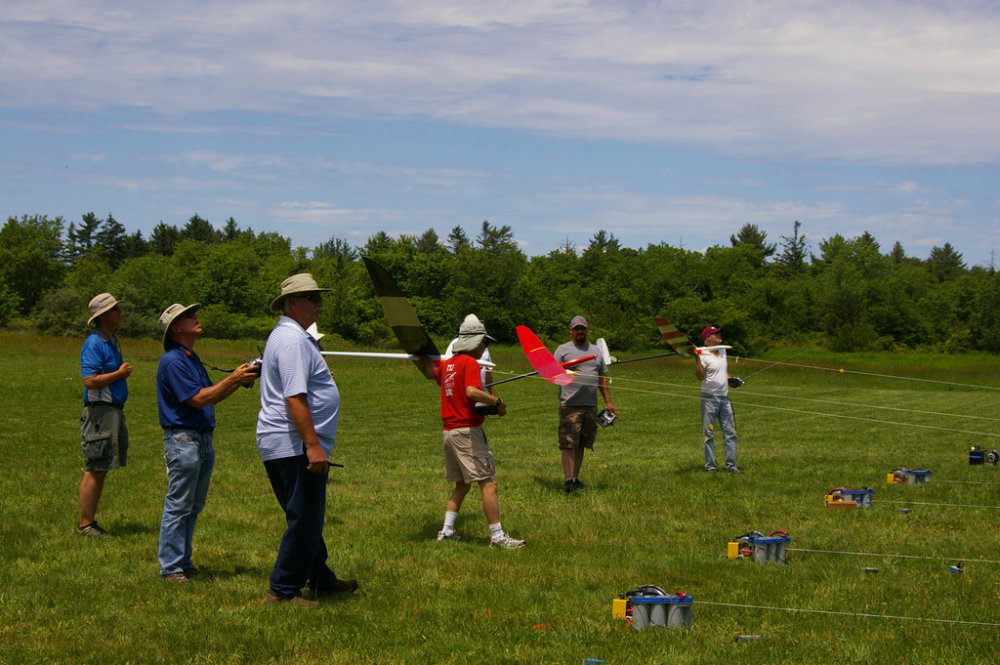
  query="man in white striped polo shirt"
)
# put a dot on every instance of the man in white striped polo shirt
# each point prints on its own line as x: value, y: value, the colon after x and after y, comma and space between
x: 296, y: 431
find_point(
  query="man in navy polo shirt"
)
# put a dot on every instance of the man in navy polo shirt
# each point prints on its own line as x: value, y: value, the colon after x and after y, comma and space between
x: 186, y: 398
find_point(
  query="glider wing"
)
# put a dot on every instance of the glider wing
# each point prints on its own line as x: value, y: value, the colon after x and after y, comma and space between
x: 402, y: 319
x: 675, y: 338
x: 540, y: 358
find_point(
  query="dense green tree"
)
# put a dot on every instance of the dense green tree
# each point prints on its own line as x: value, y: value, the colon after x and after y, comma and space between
x: 80, y: 240
x: 793, y: 251
x: 113, y: 239
x: 201, y: 230
x: 945, y: 264
x: 756, y: 238
x: 458, y: 240
x: 428, y: 242
x: 31, y: 250
x: 164, y: 239
x: 603, y: 241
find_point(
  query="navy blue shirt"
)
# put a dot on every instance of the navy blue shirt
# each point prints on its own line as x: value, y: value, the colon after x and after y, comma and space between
x: 179, y: 377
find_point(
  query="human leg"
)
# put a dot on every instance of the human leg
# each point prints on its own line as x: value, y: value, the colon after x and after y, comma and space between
x: 91, y: 488
x: 708, y: 415
x: 491, y: 503
x: 301, y: 557
x: 727, y: 421
x: 458, y: 496
x: 190, y: 459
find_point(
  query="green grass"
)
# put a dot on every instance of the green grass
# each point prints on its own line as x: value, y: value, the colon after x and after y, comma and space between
x: 651, y: 516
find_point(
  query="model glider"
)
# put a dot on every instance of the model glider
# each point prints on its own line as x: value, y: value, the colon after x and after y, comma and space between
x: 402, y: 319
x: 676, y: 339
x: 543, y: 361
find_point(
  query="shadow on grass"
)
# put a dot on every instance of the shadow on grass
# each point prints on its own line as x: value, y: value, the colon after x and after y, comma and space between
x: 133, y: 529
x: 547, y: 482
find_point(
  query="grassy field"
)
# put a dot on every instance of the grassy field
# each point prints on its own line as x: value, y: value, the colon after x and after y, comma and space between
x: 650, y: 516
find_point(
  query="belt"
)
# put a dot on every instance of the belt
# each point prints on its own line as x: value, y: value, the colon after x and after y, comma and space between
x: 120, y: 407
x: 199, y: 430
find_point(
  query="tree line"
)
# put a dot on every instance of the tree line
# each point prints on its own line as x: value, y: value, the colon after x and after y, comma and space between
x: 847, y: 295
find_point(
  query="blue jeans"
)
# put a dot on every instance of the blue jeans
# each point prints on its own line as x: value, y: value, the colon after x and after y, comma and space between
x: 302, y: 553
x: 717, y: 408
x: 190, y: 459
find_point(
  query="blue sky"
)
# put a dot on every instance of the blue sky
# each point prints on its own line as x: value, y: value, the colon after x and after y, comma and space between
x: 668, y: 122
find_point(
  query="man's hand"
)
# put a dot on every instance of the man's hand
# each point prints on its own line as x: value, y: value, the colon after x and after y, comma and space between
x: 502, y: 408
x: 317, y: 459
x: 426, y: 366
x: 124, y: 371
x: 611, y: 408
x: 244, y: 375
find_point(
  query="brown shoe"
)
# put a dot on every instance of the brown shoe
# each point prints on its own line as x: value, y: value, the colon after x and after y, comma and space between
x: 299, y: 601
x: 343, y: 586
x: 177, y: 578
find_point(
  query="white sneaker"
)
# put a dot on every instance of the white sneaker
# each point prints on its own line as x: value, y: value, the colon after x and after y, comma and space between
x: 448, y: 536
x: 506, y: 542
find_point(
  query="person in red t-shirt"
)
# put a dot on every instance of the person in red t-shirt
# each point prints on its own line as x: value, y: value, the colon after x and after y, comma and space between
x: 467, y: 455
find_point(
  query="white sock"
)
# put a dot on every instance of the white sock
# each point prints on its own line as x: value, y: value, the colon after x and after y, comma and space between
x: 449, y: 522
x: 571, y: 480
x: 495, y: 531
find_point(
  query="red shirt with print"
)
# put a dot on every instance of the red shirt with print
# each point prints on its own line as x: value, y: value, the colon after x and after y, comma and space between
x: 454, y: 376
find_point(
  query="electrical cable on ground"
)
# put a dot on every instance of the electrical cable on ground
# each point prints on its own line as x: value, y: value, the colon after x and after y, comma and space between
x: 894, y: 556
x: 948, y: 505
x: 848, y: 614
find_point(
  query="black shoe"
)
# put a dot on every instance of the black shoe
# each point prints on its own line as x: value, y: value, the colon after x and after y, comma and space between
x: 568, y: 487
x: 578, y: 485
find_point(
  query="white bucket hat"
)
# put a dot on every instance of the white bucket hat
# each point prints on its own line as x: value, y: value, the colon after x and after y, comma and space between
x: 301, y: 283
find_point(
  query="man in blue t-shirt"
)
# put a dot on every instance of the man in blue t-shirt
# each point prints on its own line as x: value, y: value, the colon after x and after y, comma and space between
x: 103, y: 434
x: 186, y: 398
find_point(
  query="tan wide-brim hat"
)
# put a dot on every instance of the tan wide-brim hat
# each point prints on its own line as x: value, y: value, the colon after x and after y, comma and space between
x: 101, y: 303
x: 170, y: 315
x: 294, y: 285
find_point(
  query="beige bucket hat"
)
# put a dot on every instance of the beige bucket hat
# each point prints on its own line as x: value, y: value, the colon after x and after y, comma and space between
x: 170, y: 315
x: 101, y: 303
x: 294, y: 285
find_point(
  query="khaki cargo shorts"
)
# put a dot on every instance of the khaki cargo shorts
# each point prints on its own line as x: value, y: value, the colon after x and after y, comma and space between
x: 467, y: 456
x: 104, y: 438
x: 577, y: 427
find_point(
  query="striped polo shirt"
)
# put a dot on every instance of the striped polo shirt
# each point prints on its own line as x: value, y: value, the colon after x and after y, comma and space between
x: 293, y: 366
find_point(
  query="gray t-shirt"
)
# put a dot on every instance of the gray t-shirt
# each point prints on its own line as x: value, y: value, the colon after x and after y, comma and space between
x: 583, y: 390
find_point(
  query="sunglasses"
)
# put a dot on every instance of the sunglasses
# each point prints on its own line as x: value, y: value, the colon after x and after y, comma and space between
x: 116, y: 308
x: 314, y: 298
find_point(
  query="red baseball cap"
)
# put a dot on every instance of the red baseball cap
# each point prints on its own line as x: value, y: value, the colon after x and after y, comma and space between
x: 708, y: 332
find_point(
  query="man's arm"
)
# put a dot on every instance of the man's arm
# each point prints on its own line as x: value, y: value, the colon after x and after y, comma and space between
x: 98, y: 381
x: 298, y: 411
x: 241, y: 376
x: 483, y: 397
x: 699, y: 369
x: 602, y: 384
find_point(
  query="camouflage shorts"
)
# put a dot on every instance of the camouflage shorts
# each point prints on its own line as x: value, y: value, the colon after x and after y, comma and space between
x: 577, y: 427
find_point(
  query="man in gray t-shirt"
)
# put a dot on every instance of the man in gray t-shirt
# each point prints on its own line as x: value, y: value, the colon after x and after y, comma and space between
x: 578, y: 402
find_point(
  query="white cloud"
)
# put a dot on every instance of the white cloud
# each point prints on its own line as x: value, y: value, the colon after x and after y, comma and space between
x: 890, y: 82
